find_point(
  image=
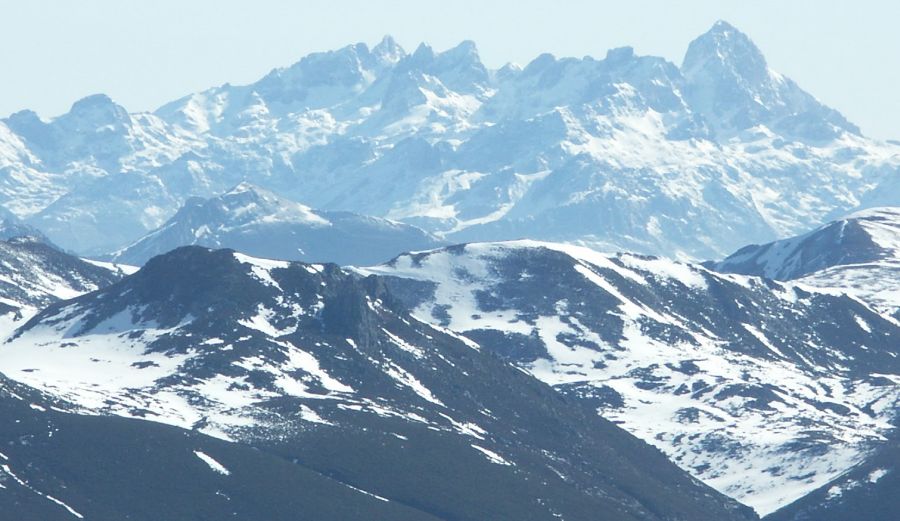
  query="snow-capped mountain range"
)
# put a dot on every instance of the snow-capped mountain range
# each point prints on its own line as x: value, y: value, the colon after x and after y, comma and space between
x: 320, y: 368
x: 626, y: 152
x: 764, y: 390
x: 771, y: 376
x: 259, y: 223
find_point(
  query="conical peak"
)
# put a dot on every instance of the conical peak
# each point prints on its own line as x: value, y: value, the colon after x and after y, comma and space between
x: 388, y: 49
x: 724, y: 44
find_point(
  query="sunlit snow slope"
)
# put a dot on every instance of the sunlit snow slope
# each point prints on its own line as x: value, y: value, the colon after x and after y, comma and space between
x: 763, y: 390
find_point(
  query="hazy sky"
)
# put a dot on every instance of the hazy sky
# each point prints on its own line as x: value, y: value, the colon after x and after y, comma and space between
x: 146, y: 53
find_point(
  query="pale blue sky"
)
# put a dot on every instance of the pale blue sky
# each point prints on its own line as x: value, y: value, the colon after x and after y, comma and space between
x: 146, y: 53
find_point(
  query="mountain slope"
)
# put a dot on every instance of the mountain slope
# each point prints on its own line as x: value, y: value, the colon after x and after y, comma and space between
x: 12, y: 227
x: 311, y: 364
x: 260, y: 223
x: 765, y: 391
x: 557, y: 150
x: 67, y: 466
x: 34, y: 274
x: 859, y: 254
x: 868, y: 491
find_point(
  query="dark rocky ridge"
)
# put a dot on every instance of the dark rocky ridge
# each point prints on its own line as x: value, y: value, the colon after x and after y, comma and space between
x: 553, y: 455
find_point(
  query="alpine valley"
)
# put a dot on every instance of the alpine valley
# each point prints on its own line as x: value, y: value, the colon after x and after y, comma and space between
x: 383, y: 285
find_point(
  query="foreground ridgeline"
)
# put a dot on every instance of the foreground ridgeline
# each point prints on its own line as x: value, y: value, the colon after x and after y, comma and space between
x: 626, y: 152
x: 65, y: 466
x: 343, y: 405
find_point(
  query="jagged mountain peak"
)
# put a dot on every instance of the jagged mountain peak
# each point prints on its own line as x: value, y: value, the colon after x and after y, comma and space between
x: 348, y: 56
x: 466, y: 48
x: 725, y: 50
x: 620, y: 54
x: 508, y: 71
x: 623, y: 85
x: 730, y: 84
x: 24, y: 118
x: 388, y: 50
x: 92, y: 101
x: 98, y: 108
x: 320, y: 79
x: 423, y: 55
x: 458, y: 68
x: 722, y: 25
x: 23, y: 129
x: 461, y: 69
x: 723, y: 35
x: 540, y: 63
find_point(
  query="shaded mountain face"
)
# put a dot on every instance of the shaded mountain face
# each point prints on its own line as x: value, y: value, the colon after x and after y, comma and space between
x: 59, y: 466
x: 859, y: 254
x: 34, y: 274
x: 868, y: 491
x: 627, y: 152
x: 259, y: 223
x: 763, y: 390
x: 12, y: 227
x: 313, y: 365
